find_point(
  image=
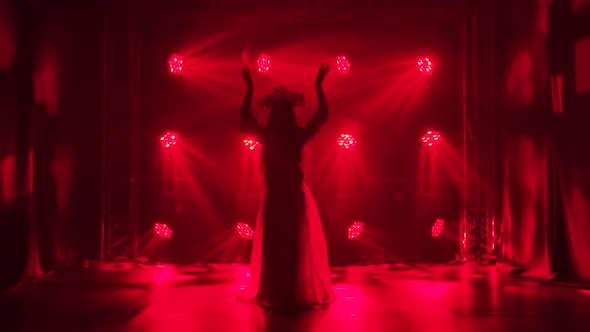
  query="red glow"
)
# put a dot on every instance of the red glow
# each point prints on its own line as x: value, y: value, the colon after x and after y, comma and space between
x: 176, y: 64
x: 425, y: 66
x: 244, y: 231
x: 251, y: 143
x: 263, y: 63
x: 493, y: 234
x: 342, y: 65
x: 355, y: 230
x: 431, y: 138
x: 346, y: 141
x: 163, y: 231
x: 438, y: 227
x: 169, y: 139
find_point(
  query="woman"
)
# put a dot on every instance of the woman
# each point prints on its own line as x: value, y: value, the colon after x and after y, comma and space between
x: 289, y: 263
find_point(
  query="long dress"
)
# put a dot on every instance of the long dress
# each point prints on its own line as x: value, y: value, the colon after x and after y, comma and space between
x: 289, y: 266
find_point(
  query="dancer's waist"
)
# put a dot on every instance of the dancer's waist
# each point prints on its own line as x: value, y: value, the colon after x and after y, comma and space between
x: 283, y: 176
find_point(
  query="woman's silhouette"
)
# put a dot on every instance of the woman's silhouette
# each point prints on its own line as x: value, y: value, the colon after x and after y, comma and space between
x: 289, y: 263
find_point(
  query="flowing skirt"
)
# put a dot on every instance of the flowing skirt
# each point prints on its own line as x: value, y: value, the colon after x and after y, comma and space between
x: 289, y: 265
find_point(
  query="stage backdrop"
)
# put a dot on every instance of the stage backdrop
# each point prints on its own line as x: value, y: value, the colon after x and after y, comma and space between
x: 389, y: 180
x: 524, y: 109
x: 48, y: 63
x: 543, y: 91
x: 573, y: 162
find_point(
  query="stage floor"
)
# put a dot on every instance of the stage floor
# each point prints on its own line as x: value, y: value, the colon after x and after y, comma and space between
x: 370, y: 298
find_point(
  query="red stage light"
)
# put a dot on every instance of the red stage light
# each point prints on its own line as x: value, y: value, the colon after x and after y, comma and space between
x: 244, y: 231
x: 342, y: 65
x: 425, y: 65
x: 163, y: 231
x: 251, y: 143
x: 169, y: 139
x: 431, y: 138
x: 438, y: 227
x: 346, y: 141
x: 176, y: 64
x: 263, y: 63
x: 493, y: 234
x: 355, y: 230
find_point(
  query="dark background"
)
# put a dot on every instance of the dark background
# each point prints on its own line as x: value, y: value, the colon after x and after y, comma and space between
x: 59, y: 75
x: 385, y: 103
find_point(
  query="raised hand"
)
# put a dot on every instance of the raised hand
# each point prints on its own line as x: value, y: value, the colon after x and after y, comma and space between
x: 324, y: 69
x: 247, y: 77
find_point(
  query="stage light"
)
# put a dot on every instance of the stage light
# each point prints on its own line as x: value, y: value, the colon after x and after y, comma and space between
x: 355, y: 230
x: 244, y: 231
x: 169, y: 139
x: 162, y: 230
x: 176, y: 64
x: 438, y: 227
x: 493, y: 234
x: 342, y: 65
x: 251, y: 144
x: 263, y: 63
x: 431, y: 138
x: 346, y: 141
x: 425, y: 66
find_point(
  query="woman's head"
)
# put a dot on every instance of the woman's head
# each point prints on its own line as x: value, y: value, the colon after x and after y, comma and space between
x: 282, y: 115
x: 282, y: 105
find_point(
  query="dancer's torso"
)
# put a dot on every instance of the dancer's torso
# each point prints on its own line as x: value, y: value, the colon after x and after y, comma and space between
x: 281, y: 155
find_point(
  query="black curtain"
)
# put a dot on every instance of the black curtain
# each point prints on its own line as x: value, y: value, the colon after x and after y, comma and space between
x: 570, y: 50
x: 544, y: 96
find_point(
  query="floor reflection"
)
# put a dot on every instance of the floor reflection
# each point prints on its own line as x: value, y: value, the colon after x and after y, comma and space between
x: 370, y: 298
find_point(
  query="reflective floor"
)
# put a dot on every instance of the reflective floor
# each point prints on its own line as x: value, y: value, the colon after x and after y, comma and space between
x: 370, y: 298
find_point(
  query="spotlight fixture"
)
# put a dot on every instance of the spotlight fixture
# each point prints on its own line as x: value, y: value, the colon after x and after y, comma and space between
x: 251, y: 144
x: 162, y: 230
x: 244, y: 231
x: 431, y: 138
x: 438, y: 227
x: 263, y: 64
x: 169, y: 139
x: 176, y: 64
x: 343, y: 65
x: 425, y: 66
x: 355, y: 230
x: 346, y: 141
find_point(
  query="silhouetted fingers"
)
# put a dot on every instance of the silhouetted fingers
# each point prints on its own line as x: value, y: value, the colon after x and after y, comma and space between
x: 246, y: 74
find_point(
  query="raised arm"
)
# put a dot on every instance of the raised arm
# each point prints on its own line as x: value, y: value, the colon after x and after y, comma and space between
x: 321, y: 115
x: 248, y: 122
